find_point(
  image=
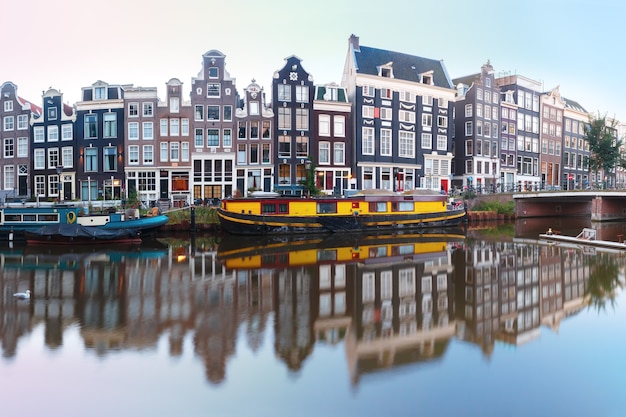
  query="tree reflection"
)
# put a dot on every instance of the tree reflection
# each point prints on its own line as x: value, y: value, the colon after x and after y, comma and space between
x: 603, y: 280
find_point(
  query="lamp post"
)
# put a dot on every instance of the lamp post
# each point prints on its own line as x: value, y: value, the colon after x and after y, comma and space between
x: 309, y: 176
x: 59, y: 173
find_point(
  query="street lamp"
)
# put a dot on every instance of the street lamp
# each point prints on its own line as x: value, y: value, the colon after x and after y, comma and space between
x: 308, y: 176
x: 59, y: 173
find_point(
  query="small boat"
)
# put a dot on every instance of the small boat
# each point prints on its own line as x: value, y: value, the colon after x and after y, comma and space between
x: 368, y: 210
x: 18, y: 218
x: 76, y: 234
x: 588, y: 237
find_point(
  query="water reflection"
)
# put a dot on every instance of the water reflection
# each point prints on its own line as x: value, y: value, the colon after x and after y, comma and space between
x: 391, y: 300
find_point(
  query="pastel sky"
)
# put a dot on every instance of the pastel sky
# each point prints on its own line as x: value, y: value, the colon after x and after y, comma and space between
x: 70, y: 44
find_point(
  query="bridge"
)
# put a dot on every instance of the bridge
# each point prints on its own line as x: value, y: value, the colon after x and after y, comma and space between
x: 601, y: 205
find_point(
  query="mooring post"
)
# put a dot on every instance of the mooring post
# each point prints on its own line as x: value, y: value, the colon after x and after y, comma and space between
x: 193, y: 219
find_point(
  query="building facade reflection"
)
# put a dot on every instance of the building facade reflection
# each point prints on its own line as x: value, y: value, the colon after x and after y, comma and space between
x: 392, y: 301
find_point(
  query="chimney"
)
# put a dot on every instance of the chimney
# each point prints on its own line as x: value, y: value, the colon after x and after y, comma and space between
x: 354, y: 41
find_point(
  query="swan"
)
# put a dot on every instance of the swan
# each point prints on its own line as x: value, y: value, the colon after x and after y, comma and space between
x: 22, y: 295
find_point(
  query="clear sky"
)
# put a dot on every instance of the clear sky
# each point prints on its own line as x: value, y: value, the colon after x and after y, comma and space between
x: 69, y: 44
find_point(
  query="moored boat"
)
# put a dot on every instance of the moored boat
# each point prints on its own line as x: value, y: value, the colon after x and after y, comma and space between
x: 369, y: 210
x: 17, y: 219
x: 76, y: 234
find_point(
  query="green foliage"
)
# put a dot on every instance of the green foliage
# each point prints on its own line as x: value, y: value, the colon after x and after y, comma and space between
x: 204, y: 215
x: 309, y: 185
x: 507, y: 208
x: 603, y: 144
x: 603, y: 281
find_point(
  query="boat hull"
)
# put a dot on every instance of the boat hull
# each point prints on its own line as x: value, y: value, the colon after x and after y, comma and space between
x: 253, y: 224
x: 76, y: 234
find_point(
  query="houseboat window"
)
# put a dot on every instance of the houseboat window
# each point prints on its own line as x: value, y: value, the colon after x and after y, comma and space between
x: 378, y: 207
x: 268, y: 208
x: 30, y: 217
x: 323, y: 208
x: 378, y: 252
x: 12, y: 218
x: 402, y: 206
x: 48, y: 217
x: 283, y: 208
x: 327, y: 255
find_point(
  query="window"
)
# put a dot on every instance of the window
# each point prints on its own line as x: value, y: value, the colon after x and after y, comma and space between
x: 284, y: 146
x: 442, y: 142
x: 184, y: 151
x: 302, y: 146
x: 386, y: 93
x: 22, y: 147
x: 427, y: 141
x: 99, y: 93
x: 265, y: 155
x: 254, y: 130
x: 199, y: 138
x: 174, y: 104
x: 52, y: 113
x: 284, y: 118
x: 340, y: 126
x: 22, y: 122
x: 368, y: 91
x: 38, y: 133
x: 406, y: 143
x: 67, y: 132
x: 385, y: 142
x: 469, y: 148
x: 53, y: 133
x: 213, y: 137
x: 164, y: 128
x: 339, y: 154
x: 302, y: 119
x: 324, y: 125
x: 469, y: 131
x: 148, y: 154
x: 133, y: 131
x: 40, y: 159
x: 214, y: 72
x: 174, y: 127
x: 228, y: 113
x: 146, y: 181
x: 407, y: 116
x: 253, y: 108
x: 91, y: 159
x: 367, y: 146
x: 368, y: 112
x: 266, y: 132
x: 133, y: 109
x: 213, y: 90
x: 148, y: 110
x: 302, y: 93
x: 91, y: 126
x: 442, y: 121
x: 9, y: 177
x: 133, y: 155
x: 241, y: 154
x: 427, y: 120
x: 110, y: 159
x: 386, y: 113
x: 9, y: 123
x: 242, y: 134
x: 324, y: 153
x: 228, y: 138
x: 184, y: 128
x: 213, y: 113
x: 8, y: 105
x: 174, y: 151
x: 284, y: 92
x: 9, y: 148
x: 110, y: 125
x: 407, y: 96
x: 254, y: 153
x: 163, y: 154
x: 199, y: 112
x: 147, y: 131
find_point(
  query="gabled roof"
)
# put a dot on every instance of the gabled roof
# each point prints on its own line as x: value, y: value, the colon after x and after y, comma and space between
x: 467, y: 80
x: 405, y: 67
x: 571, y: 104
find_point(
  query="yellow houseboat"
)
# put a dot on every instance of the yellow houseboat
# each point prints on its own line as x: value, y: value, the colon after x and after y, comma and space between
x: 370, y: 210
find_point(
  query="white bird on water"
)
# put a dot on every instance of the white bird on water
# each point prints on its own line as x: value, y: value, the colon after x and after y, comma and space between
x: 22, y: 295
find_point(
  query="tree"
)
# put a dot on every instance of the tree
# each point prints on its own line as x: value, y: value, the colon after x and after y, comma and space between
x: 604, y: 146
x: 308, y: 183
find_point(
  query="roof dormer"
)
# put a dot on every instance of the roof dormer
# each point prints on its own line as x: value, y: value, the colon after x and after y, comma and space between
x: 427, y: 77
x: 386, y: 70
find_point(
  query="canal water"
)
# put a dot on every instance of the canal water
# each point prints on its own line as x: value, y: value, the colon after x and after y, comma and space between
x: 481, y: 322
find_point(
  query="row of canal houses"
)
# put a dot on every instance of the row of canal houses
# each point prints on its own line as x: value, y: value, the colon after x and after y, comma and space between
x: 396, y: 122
